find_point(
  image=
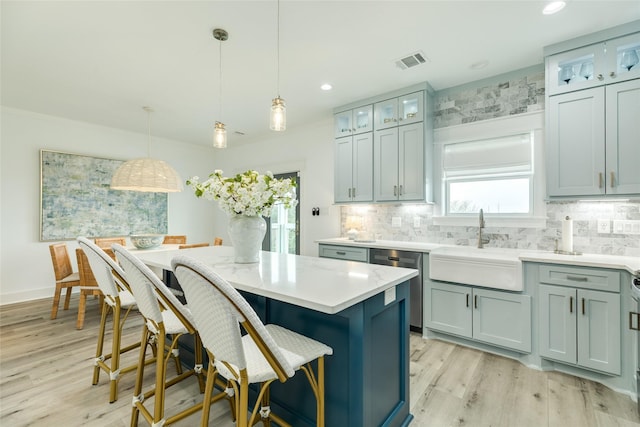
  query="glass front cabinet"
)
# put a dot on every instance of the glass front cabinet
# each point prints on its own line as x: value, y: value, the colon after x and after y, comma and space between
x: 403, y: 110
x: 602, y: 63
x: 354, y: 121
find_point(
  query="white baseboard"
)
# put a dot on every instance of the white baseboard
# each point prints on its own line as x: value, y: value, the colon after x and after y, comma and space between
x: 30, y: 295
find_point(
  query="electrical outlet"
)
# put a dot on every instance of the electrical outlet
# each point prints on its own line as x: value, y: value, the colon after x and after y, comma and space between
x: 416, y: 222
x: 396, y: 221
x: 604, y: 226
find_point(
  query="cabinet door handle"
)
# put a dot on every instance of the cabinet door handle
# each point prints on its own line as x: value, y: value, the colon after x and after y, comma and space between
x: 400, y: 193
x: 583, y: 310
x: 633, y: 315
x: 353, y: 193
x: 599, y: 179
x: 475, y: 301
x: 570, y: 304
x: 577, y: 278
x: 395, y: 190
x: 600, y: 77
x: 349, y: 192
x: 468, y: 303
x: 613, y: 177
x: 612, y: 74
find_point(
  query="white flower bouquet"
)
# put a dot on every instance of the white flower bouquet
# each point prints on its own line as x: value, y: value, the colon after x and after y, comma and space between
x: 248, y: 193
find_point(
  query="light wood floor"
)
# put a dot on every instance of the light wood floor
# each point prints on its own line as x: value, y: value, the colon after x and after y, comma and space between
x: 46, y: 366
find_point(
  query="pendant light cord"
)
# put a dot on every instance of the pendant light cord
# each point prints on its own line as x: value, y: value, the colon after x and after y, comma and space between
x: 278, y: 50
x: 220, y: 84
x: 148, y: 110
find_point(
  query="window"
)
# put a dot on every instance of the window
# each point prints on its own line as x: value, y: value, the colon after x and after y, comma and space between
x: 495, y: 175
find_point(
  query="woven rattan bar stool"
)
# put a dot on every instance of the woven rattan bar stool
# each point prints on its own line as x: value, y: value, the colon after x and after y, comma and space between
x: 165, y: 316
x: 265, y: 354
x: 117, y: 300
x: 174, y: 240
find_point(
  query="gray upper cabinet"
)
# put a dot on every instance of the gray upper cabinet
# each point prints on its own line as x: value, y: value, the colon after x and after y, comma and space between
x: 354, y: 121
x: 399, y: 163
x: 623, y: 137
x: 592, y: 146
x: 353, y: 173
x: 593, y: 105
x: 383, y: 148
x: 611, y: 61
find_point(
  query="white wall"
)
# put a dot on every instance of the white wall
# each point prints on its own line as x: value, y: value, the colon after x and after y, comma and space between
x: 25, y: 265
x: 308, y: 150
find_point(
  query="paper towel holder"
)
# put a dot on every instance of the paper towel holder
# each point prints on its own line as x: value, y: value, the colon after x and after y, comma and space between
x: 561, y: 252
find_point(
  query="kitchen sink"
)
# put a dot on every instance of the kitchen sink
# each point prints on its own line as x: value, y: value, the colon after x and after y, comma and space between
x: 496, y: 268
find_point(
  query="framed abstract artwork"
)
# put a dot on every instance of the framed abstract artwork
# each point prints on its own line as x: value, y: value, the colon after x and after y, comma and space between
x: 76, y: 200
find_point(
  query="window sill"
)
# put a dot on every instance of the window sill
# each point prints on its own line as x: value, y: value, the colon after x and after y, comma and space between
x: 519, y: 222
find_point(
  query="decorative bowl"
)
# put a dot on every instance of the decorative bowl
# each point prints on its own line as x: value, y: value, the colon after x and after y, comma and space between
x: 146, y: 241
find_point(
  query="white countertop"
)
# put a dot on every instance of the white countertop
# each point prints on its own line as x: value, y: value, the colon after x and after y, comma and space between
x: 320, y: 284
x: 631, y: 264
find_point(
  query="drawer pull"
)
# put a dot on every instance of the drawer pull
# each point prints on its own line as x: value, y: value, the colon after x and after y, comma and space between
x: 633, y: 315
x: 570, y: 304
x: 577, y: 278
x: 340, y: 253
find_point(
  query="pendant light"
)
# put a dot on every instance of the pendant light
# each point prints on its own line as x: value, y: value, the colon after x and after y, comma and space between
x: 278, y: 120
x: 219, y: 132
x: 146, y: 174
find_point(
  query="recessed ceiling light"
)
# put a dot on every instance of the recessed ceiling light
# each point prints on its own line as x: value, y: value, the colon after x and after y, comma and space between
x: 326, y: 86
x: 479, y: 65
x: 553, y: 7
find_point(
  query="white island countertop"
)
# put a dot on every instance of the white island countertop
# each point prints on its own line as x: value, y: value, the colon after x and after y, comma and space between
x: 629, y: 263
x: 320, y: 284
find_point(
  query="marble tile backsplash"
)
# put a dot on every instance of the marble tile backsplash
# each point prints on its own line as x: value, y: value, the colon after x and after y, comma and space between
x: 377, y: 220
x: 512, y: 95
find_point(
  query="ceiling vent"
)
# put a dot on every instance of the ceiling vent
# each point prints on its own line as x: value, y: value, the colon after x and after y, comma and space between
x: 412, y: 60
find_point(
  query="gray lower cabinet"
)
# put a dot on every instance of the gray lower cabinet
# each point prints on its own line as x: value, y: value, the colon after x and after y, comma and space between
x: 493, y: 317
x: 580, y: 326
x: 346, y: 253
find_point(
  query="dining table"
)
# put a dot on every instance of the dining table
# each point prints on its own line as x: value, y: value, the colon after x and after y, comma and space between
x: 360, y: 310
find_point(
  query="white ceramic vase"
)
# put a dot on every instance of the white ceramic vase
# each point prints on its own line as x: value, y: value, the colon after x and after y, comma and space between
x: 247, y: 233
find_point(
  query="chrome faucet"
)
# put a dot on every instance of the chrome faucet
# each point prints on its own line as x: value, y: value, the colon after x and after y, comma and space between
x: 481, y: 240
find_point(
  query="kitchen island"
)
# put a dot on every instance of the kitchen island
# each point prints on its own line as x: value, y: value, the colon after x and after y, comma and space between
x: 360, y: 310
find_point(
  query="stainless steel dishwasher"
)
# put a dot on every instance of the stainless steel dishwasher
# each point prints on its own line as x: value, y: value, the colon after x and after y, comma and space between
x: 405, y: 259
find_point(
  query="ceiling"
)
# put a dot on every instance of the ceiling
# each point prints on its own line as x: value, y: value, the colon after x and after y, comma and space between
x: 101, y: 61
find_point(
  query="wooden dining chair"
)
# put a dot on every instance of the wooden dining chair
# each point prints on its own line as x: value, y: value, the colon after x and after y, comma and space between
x: 217, y: 241
x: 66, y: 278
x: 88, y: 286
x: 106, y: 242
x: 193, y: 245
x: 174, y: 240
x: 266, y: 353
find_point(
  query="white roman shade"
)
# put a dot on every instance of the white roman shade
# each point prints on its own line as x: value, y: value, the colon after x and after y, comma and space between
x: 508, y: 154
